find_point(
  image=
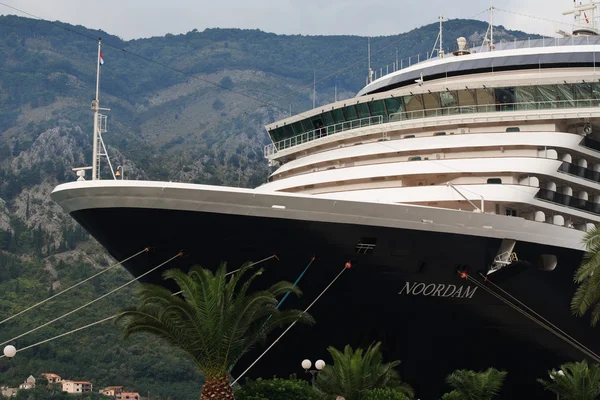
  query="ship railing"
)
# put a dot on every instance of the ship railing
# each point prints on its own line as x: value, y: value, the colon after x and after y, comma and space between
x: 528, y: 43
x: 498, y: 107
x: 321, y: 132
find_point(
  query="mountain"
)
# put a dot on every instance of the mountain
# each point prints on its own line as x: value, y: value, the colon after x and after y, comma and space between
x: 188, y: 108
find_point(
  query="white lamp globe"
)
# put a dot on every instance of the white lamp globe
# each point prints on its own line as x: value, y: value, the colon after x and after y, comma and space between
x: 10, y: 351
x: 306, y: 364
x: 320, y: 364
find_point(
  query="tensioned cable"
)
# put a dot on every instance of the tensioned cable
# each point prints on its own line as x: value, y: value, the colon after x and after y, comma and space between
x: 145, y: 58
x: 66, y: 333
x: 296, y: 282
x: 251, y: 265
x: 203, y: 79
x: 531, y: 310
x: 542, y: 324
x: 74, y: 286
x: 116, y: 315
x: 572, y: 342
x: 533, y: 17
x: 346, y: 266
x: 95, y: 300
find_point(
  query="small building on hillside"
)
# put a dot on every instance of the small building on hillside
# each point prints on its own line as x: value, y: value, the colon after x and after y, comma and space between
x: 52, y: 378
x: 28, y: 384
x: 128, y: 396
x: 76, y: 386
x: 112, y: 391
x: 7, y: 392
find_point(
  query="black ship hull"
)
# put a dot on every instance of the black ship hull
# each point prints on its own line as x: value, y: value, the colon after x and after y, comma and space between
x: 402, y: 288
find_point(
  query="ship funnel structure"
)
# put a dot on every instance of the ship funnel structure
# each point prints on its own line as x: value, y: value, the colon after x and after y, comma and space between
x: 463, y: 47
x: 585, y: 19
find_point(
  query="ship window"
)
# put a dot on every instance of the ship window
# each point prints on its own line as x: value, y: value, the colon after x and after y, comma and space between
x: 337, y: 115
x: 505, y: 97
x: 366, y: 245
x: 484, y: 96
x: 394, y: 105
x: 350, y: 113
x: 525, y: 96
x: 378, y: 108
x: 513, y: 129
x: 449, y: 98
x: 317, y: 123
x: 494, y: 180
x: 363, y: 110
x: 583, y: 91
x: 409, y: 136
x: 564, y: 94
x: 439, y: 133
x: 415, y: 158
x: 328, y: 120
x: 546, y: 95
x: 414, y: 103
x: 465, y: 98
x: 297, y: 127
x: 306, y: 125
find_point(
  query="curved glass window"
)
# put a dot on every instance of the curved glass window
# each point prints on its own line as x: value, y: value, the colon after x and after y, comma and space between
x: 437, y: 104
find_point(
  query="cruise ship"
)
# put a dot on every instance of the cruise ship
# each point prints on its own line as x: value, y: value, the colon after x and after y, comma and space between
x: 453, y: 193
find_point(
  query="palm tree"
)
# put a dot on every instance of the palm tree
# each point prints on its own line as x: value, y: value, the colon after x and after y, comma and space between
x: 215, y: 320
x: 587, y: 276
x: 575, y: 381
x: 354, y: 373
x: 471, y: 385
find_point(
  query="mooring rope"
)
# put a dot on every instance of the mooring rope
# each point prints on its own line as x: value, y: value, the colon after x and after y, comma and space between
x: 93, y: 301
x: 114, y: 316
x: 557, y: 332
x: 74, y: 286
x: 346, y: 266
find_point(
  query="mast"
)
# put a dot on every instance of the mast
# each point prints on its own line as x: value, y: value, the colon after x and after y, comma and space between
x: 370, y: 73
x: 96, y: 109
x: 441, y: 35
x: 314, y: 88
x: 491, y: 25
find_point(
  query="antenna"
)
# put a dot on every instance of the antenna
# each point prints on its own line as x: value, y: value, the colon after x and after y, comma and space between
x: 98, y: 147
x: 370, y: 75
x: 491, y: 25
x: 441, y: 35
x: 314, y: 88
x: 585, y: 23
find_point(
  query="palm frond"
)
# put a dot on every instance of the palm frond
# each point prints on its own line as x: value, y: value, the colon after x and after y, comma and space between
x: 355, y: 372
x: 216, y: 319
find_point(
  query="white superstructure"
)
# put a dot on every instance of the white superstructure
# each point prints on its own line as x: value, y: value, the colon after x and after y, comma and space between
x: 516, y: 130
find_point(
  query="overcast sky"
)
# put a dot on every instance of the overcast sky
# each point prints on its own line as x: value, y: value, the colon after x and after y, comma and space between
x: 145, y: 18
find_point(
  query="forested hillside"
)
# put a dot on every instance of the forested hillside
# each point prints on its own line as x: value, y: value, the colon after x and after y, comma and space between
x: 188, y: 108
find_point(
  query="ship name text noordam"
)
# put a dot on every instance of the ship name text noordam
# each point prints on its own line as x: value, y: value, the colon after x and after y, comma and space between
x: 438, y: 290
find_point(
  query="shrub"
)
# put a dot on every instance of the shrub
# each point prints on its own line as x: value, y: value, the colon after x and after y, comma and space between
x: 385, y: 394
x: 277, y: 389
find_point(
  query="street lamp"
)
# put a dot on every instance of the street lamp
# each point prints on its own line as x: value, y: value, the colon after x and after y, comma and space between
x: 553, y: 374
x: 120, y: 172
x: 10, y: 351
x: 319, y: 365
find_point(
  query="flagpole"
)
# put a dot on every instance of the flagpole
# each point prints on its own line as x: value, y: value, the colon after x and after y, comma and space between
x: 95, y: 108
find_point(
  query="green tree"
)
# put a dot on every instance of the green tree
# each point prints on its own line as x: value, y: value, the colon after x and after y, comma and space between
x: 353, y: 373
x: 215, y: 320
x: 277, y: 389
x: 575, y: 381
x: 587, y: 276
x: 471, y: 385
